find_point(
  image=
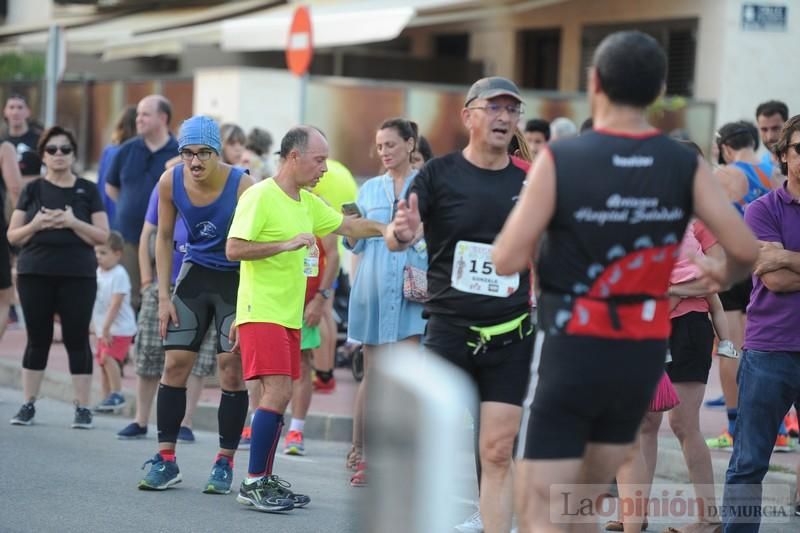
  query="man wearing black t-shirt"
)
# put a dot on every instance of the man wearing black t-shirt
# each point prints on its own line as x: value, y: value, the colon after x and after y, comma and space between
x: 16, y: 113
x: 608, y: 209
x: 479, y: 321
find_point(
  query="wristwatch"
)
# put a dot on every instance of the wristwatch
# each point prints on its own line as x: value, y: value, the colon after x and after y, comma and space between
x: 326, y: 293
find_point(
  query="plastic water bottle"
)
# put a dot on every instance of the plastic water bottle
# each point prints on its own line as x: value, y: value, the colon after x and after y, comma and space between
x: 311, y: 262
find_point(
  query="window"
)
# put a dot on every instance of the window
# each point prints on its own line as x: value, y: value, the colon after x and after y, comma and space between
x: 541, y: 51
x: 677, y: 37
x: 452, y: 45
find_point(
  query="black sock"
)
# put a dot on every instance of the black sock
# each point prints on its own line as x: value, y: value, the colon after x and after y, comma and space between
x: 324, y: 375
x: 231, y: 417
x: 170, y: 409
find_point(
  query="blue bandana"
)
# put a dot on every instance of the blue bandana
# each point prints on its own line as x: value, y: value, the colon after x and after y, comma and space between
x: 200, y: 129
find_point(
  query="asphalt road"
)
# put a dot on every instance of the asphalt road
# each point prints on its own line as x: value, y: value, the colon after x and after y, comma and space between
x: 58, y: 479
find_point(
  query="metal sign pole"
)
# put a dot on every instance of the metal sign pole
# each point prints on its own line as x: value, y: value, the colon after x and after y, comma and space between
x: 54, y: 68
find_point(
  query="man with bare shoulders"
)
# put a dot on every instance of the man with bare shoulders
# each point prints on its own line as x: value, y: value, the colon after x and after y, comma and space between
x: 605, y: 213
x: 204, y: 191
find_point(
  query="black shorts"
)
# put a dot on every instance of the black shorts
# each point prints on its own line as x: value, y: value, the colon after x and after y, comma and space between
x: 202, y: 295
x: 587, y: 390
x: 5, y: 255
x: 737, y: 297
x: 501, y: 374
x: 690, y: 344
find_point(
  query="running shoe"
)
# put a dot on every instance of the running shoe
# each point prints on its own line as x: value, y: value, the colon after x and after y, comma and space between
x: 244, y: 440
x: 162, y: 475
x: 219, y: 482
x: 790, y: 421
x: 715, y: 402
x: 132, y: 431
x: 324, y: 387
x: 83, y: 418
x: 797, y: 510
x: 725, y: 348
x: 24, y: 416
x: 112, y: 404
x: 783, y: 444
x: 724, y: 442
x: 282, y: 486
x: 264, y: 495
x: 473, y: 524
x: 294, y: 443
x: 185, y: 434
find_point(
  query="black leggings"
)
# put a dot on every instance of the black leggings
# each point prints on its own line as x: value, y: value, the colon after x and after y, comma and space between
x: 72, y: 299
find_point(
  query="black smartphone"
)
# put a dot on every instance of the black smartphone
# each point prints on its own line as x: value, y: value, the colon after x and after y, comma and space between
x: 351, y: 208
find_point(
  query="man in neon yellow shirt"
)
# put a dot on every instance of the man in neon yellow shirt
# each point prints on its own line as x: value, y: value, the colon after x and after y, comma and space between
x: 272, y: 234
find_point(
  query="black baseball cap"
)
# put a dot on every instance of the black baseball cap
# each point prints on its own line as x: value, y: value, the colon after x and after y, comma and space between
x: 491, y: 87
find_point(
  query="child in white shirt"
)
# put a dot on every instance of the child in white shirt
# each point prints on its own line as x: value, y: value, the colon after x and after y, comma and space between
x: 113, y: 320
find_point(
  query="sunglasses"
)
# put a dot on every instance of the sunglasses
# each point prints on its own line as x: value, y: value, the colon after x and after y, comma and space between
x: 796, y: 147
x: 53, y: 149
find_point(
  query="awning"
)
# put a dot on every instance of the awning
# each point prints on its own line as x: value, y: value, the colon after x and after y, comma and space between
x: 254, y: 25
x: 153, y: 32
x: 340, y: 25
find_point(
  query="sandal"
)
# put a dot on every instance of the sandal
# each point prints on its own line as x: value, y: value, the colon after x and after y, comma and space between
x: 616, y: 525
x: 354, y: 456
x: 359, y: 479
x: 698, y: 527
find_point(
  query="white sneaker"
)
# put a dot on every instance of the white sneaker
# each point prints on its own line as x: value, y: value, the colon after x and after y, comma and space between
x: 726, y: 348
x: 473, y: 524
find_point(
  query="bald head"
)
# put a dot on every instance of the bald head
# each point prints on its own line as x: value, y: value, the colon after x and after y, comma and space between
x: 299, y: 138
x: 153, y: 114
x: 304, y: 151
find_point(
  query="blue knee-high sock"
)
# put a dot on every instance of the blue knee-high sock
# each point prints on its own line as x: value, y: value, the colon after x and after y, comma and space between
x: 732, y: 414
x: 266, y: 433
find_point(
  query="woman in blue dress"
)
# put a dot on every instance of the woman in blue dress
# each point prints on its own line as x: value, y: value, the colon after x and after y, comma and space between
x: 379, y: 314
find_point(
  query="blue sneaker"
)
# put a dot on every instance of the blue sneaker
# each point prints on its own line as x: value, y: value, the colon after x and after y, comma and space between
x: 162, y: 475
x: 112, y: 404
x: 715, y: 402
x: 185, y: 434
x: 219, y: 482
x: 132, y: 431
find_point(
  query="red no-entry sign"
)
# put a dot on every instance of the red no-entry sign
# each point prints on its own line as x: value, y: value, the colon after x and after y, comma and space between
x: 300, y: 49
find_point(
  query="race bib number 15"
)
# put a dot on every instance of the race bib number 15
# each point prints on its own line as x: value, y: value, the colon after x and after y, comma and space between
x: 474, y: 272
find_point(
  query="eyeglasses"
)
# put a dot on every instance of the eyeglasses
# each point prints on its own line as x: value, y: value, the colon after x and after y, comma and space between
x: 52, y: 149
x: 494, y: 110
x: 796, y: 147
x: 202, y: 155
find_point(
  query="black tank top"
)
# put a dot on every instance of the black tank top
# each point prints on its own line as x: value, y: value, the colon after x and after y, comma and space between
x: 622, y: 205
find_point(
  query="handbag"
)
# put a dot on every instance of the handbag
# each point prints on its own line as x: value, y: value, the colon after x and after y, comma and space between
x: 415, y: 284
x: 665, y: 397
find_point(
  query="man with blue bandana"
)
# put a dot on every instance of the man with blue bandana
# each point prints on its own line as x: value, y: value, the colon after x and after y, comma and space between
x: 204, y: 191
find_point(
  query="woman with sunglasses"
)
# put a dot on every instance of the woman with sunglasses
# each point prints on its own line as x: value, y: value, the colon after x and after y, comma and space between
x: 58, y: 220
x: 379, y: 314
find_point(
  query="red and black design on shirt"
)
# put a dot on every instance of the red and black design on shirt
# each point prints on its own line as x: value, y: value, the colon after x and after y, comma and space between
x: 622, y: 206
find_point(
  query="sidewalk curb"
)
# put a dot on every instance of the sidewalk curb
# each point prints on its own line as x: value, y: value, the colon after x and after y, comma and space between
x: 58, y: 386
x: 671, y: 465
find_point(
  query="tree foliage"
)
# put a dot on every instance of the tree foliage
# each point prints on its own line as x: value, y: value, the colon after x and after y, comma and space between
x: 22, y: 67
